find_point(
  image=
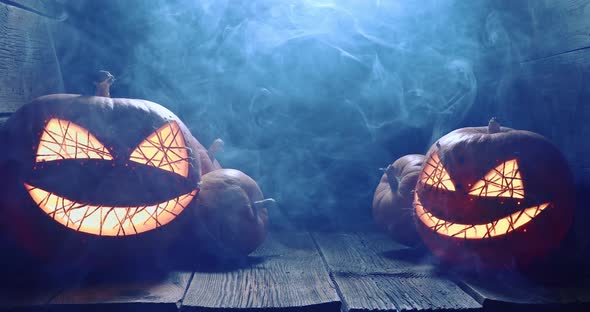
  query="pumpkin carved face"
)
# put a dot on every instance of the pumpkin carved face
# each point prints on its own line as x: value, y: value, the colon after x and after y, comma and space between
x: 493, y: 197
x: 503, y: 182
x: 63, y: 140
x: 93, y: 169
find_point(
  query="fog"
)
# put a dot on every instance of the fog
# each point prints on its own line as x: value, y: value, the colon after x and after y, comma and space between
x: 311, y: 97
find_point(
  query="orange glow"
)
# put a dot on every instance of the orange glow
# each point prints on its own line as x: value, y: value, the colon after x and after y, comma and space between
x: 477, y: 231
x: 164, y: 149
x: 108, y: 220
x: 502, y: 181
x: 66, y: 140
x: 436, y: 175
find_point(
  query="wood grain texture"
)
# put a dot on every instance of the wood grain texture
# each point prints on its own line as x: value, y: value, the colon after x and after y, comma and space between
x: 558, y: 26
x: 161, y: 294
x: 373, y: 273
x: 27, y: 58
x: 513, y: 290
x: 45, y: 8
x: 287, y: 272
x: 537, y: 29
x: 550, y: 92
x: 367, y: 253
x: 391, y: 293
x: 550, y: 96
x: 545, y: 87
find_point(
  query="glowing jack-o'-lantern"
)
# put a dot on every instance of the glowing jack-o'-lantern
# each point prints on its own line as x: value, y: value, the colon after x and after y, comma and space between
x: 164, y: 149
x: 493, y: 196
x: 93, y: 169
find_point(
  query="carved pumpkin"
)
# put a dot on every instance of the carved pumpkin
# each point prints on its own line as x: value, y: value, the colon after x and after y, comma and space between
x: 392, y: 202
x: 93, y: 170
x: 231, y: 212
x: 493, y: 197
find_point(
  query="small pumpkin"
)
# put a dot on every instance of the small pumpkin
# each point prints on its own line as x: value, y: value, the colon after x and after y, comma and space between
x: 392, y: 203
x: 231, y: 212
x: 494, y: 197
x: 97, y: 175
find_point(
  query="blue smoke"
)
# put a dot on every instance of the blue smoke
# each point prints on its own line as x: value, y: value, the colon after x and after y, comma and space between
x: 311, y: 96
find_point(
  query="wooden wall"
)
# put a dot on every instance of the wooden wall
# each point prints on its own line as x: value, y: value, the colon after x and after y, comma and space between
x: 28, y: 62
x: 549, y: 89
x: 546, y: 90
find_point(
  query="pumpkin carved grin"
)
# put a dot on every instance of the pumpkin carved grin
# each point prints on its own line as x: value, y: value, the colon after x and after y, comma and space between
x: 503, y: 181
x: 499, y: 227
x: 99, y: 181
x: 164, y: 150
x: 108, y: 220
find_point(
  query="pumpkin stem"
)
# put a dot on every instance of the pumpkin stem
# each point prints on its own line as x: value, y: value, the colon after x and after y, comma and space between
x: 391, y: 177
x: 267, y: 202
x: 215, y: 148
x: 103, y: 83
x: 493, y: 126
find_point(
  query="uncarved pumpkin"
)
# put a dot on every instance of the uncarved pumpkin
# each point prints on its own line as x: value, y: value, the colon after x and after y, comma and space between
x: 392, y: 202
x: 493, y: 197
x: 231, y: 212
x: 96, y: 176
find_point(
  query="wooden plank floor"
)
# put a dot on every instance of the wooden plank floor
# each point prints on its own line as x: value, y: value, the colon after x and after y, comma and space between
x: 164, y: 294
x: 301, y: 271
x: 504, y: 291
x: 290, y: 275
x: 374, y: 273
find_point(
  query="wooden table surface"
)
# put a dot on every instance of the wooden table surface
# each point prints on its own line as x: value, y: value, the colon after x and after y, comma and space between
x: 309, y: 271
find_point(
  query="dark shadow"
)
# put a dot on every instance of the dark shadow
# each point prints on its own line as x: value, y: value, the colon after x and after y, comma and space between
x: 415, y: 255
x: 211, y: 264
x: 21, y: 271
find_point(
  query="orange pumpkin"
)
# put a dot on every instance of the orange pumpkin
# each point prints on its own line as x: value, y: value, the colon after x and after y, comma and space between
x: 493, y: 196
x: 392, y: 202
x: 231, y: 213
x: 94, y: 172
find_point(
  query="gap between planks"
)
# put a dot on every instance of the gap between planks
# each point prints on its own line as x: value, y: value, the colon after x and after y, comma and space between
x: 373, y: 273
x: 542, y: 58
x: 285, y: 273
x: 344, y: 306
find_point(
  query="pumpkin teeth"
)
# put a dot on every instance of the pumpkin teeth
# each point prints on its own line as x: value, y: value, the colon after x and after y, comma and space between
x: 499, y: 227
x: 108, y: 220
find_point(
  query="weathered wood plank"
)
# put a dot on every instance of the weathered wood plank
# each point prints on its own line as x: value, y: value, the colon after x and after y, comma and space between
x: 367, y: 253
x: 290, y: 274
x: 46, y: 8
x: 558, y: 26
x: 551, y: 96
x: 374, y: 273
x: 158, y: 294
x: 514, y: 290
x: 393, y: 293
x: 539, y: 29
x: 28, y: 62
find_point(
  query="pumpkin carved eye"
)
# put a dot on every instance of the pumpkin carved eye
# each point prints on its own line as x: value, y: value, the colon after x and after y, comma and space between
x: 63, y: 139
x: 503, y: 181
x: 435, y: 174
x: 164, y: 149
